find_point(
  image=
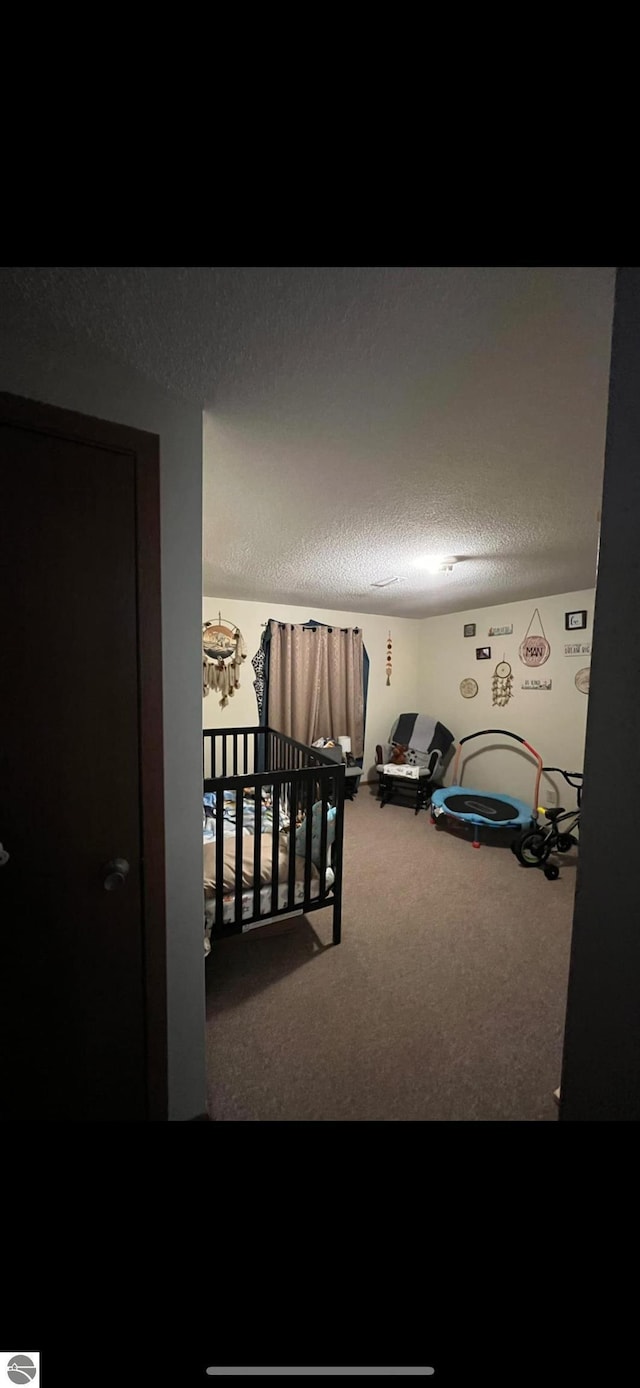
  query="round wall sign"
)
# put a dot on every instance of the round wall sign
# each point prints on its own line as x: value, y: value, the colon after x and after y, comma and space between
x: 582, y: 680
x: 468, y: 689
x: 535, y: 650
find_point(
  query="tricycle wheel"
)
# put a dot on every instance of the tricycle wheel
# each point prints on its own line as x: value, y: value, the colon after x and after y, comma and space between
x: 532, y: 849
x: 551, y: 872
x: 566, y: 842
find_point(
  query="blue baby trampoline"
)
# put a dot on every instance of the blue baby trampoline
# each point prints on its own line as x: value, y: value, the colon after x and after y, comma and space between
x: 481, y: 807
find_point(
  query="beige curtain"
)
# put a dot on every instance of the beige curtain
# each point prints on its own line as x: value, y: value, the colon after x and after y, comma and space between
x: 315, y: 683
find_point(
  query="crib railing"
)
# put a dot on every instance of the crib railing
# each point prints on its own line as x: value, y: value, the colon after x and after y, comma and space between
x: 238, y: 751
x: 242, y: 759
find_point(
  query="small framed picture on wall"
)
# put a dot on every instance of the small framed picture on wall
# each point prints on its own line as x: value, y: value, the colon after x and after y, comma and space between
x: 575, y: 621
x: 483, y: 653
x: 469, y: 629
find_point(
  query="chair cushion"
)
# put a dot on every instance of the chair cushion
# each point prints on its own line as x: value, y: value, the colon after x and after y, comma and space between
x: 413, y: 729
x: 389, y: 769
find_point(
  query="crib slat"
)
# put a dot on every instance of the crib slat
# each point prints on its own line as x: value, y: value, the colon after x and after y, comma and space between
x: 275, y: 845
x: 336, y: 891
x: 257, y: 847
x: 219, y: 855
x: 307, y: 843
x: 323, y: 837
x: 293, y: 804
x: 239, y: 820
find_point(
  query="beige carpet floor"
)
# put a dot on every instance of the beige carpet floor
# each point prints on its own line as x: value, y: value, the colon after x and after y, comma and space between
x: 445, y: 1000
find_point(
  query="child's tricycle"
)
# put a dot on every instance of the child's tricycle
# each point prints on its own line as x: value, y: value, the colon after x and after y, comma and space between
x: 533, y: 847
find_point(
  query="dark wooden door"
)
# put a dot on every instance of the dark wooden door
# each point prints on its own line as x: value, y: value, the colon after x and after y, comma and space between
x: 83, y: 1022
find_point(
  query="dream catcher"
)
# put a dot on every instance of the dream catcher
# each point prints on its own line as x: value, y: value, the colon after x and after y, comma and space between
x: 223, y: 651
x: 389, y: 650
x: 534, y: 650
x: 502, y: 686
x: 219, y: 639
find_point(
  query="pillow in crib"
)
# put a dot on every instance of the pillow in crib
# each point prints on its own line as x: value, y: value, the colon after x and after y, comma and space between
x: 247, y: 865
x: 316, y: 829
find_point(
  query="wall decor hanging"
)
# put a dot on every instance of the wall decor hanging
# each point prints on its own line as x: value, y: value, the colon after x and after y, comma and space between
x: 468, y: 689
x: 223, y: 651
x: 389, y: 654
x: 575, y: 620
x: 582, y: 680
x: 536, y: 684
x: 469, y: 629
x: 483, y: 653
x: 534, y: 650
x: 502, y: 685
x: 500, y: 631
x: 579, y: 648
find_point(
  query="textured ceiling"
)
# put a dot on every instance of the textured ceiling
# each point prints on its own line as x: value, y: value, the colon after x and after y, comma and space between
x: 360, y: 418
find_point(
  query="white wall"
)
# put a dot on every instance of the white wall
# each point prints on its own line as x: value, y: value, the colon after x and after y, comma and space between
x: 384, y: 702
x: 111, y: 392
x: 553, y: 721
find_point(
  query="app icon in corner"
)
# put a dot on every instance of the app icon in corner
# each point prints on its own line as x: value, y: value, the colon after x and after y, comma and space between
x: 22, y: 1368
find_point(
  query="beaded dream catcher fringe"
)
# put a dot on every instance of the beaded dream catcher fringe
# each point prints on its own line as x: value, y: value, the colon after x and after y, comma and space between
x: 502, y: 685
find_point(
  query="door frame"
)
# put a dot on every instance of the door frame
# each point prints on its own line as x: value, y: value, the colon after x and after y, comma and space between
x: 144, y: 450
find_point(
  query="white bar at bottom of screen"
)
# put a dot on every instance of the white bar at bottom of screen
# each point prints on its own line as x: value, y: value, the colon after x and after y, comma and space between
x: 272, y: 1372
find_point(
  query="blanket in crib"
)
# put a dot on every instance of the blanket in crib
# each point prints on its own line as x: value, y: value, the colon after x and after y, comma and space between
x: 229, y: 814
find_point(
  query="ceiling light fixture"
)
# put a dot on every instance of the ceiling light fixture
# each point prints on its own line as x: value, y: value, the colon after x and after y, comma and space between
x: 437, y: 563
x: 384, y: 582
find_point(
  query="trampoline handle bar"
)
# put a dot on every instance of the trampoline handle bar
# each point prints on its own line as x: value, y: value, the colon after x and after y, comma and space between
x: 501, y: 732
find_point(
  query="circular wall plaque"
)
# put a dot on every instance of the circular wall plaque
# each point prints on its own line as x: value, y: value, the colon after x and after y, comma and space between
x: 582, y: 680
x: 468, y: 689
x: 534, y: 650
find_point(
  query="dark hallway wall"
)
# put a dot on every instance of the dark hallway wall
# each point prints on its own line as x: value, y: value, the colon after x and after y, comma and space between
x: 601, y: 1066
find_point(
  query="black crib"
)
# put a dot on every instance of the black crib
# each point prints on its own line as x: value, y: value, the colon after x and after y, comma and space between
x: 299, y: 776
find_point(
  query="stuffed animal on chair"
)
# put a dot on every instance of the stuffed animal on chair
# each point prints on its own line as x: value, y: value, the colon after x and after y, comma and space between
x: 399, y: 756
